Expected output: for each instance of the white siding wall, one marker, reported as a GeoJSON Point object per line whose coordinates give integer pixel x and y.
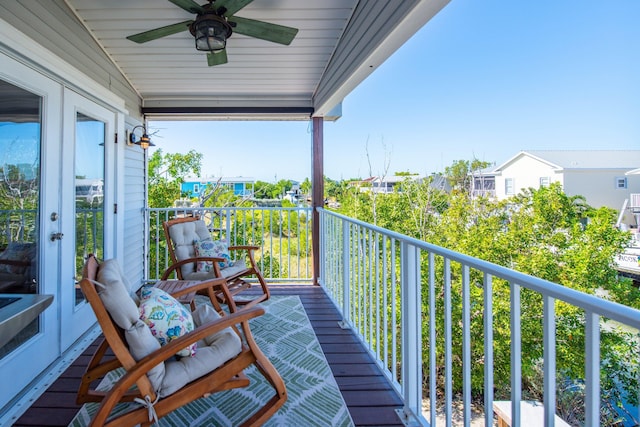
{"type": "Point", "coordinates": [134, 202]}
{"type": "Point", "coordinates": [598, 186]}
{"type": "Point", "coordinates": [525, 172]}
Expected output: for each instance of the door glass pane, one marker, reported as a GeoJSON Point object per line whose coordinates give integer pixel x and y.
{"type": "Point", "coordinates": [20, 136]}
{"type": "Point", "coordinates": [89, 173]}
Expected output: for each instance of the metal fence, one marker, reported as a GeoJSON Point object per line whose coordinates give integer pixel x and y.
{"type": "Point", "coordinates": [415, 305]}
{"type": "Point", "coordinates": [283, 235]}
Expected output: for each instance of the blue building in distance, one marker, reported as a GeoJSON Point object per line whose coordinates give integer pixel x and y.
{"type": "Point", "coordinates": [194, 187]}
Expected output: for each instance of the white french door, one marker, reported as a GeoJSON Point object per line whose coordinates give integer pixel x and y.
{"type": "Point", "coordinates": [57, 167]}
{"type": "Point", "coordinates": [89, 132]}
{"type": "Point", "coordinates": [30, 124]}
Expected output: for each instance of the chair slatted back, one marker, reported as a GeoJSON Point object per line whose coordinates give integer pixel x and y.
{"type": "Point", "coordinates": [166, 225]}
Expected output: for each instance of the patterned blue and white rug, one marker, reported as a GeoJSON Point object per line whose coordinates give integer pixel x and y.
{"type": "Point", "coordinates": [286, 337]}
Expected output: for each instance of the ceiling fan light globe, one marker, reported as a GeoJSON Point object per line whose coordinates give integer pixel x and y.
{"type": "Point", "coordinates": [210, 44]}
{"type": "Point", "coordinates": [210, 34]}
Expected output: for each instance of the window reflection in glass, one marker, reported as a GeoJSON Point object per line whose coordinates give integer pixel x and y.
{"type": "Point", "coordinates": [20, 139]}
{"type": "Point", "coordinates": [89, 181]}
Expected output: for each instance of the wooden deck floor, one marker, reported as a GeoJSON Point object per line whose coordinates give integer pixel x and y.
{"type": "Point", "coordinates": [369, 397]}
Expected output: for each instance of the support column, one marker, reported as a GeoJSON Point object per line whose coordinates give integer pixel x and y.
{"type": "Point", "coordinates": [317, 192]}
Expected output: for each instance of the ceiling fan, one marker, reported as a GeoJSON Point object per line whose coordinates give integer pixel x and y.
{"type": "Point", "coordinates": [215, 22]}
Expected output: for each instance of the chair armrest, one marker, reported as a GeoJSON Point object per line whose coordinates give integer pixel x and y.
{"type": "Point", "coordinates": [163, 353]}
{"type": "Point", "coordinates": [173, 267]}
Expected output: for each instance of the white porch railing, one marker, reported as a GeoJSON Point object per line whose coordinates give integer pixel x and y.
{"type": "Point", "coordinates": [377, 278]}
{"type": "Point", "coordinates": [283, 235]}
{"type": "Point", "coordinates": [17, 225]}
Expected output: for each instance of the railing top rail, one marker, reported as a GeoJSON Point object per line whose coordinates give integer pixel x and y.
{"type": "Point", "coordinates": [229, 208]}
{"type": "Point", "coordinates": [609, 309]}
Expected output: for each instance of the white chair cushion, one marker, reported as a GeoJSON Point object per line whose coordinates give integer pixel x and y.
{"type": "Point", "coordinates": [142, 343]}
{"type": "Point", "coordinates": [183, 235]}
{"type": "Point", "coordinates": [124, 312]}
{"type": "Point", "coordinates": [237, 267]}
{"type": "Point", "coordinates": [115, 295]}
{"type": "Point", "coordinates": [168, 377]}
{"type": "Point", "coordinates": [213, 352]}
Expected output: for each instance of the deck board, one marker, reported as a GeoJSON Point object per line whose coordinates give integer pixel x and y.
{"type": "Point", "coordinates": [369, 396]}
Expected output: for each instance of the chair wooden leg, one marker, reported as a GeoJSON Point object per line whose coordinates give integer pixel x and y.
{"type": "Point", "coordinates": [280, 397]}
{"type": "Point", "coordinates": [270, 373]}
{"type": "Point", "coordinates": [96, 369]}
{"type": "Point", "coordinates": [263, 284]}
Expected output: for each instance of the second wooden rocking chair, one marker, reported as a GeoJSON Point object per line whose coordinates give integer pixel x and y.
{"type": "Point", "coordinates": [183, 234]}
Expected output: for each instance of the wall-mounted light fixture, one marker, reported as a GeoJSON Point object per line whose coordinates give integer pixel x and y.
{"type": "Point", "coordinates": [144, 141]}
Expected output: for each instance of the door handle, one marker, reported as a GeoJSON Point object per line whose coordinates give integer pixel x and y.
{"type": "Point", "coordinates": [56, 236]}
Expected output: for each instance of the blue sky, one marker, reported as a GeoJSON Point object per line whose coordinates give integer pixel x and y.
{"type": "Point", "coordinates": [483, 79]}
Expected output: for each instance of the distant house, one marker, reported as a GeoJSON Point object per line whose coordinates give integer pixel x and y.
{"type": "Point", "coordinates": [195, 187]}
{"type": "Point", "coordinates": [483, 183]}
{"type": "Point", "coordinates": [89, 190]}
{"type": "Point", "coordinates": [601, 176]}
{"type": "Point", "coordinates": [294, 195]}
{"type": "Point", "coordinates": [387, 184]}
{"type": "Point", "coordinates": [633, 206]}
{"type": "Point", "coordinates": [390, 184]}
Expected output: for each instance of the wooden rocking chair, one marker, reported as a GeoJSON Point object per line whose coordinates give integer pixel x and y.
{"type": "Point", "coordinates": [163, 382]}
{"type": "Point", "coordinates": [181, 233]}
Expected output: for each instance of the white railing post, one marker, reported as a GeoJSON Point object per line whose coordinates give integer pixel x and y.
{"type": "Point", "coordinates": [412, 330]}
{"type": "Point", "coordinates": [592, 369]}
{"type": "Point", "coordinates": [448, 345]}
{"type": "Point", "coordinates": [488, 348]}
{"type": "Point", "coordinates": [516, 355]}
{"type": "Point", "coordinates": [227, 226]}
{"type": "Point", "coordinates": [549, 339]}
{"type": "Point", "coordinates": [466, 346]}
{"type": "Point", "coordinates": [346, 273]}
{"type": "Point", "coordinates": [323, 250]}
{"type": "Point", "coordinates": [433, 395]}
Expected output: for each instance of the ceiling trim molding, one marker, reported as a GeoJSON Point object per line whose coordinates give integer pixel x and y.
{"type": "Point", "coordinates": [353, 63]}
{"type": "Point", "coordinates": [228, 113]}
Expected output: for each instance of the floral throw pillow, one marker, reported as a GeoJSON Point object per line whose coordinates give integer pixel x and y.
{"type": "Point", "coordinates": [212, 248]}
{"type": "Point", "coordinates": [166, 317]}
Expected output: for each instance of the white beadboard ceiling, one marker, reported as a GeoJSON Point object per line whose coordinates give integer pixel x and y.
{"type": "Point", "coordinates": [339, 43]}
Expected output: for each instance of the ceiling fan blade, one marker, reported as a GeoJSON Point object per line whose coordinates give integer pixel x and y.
{"type": "Point", "coordinates": [217, 58]}
{"type": "Point", "coordinates": [231, 6]}
{"type": "Point", "coordinates": [188, 5]}
{"type": "Point", "coordinates": [160, 32]}
{"type": "Point", "coordinates": [263, 30]}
